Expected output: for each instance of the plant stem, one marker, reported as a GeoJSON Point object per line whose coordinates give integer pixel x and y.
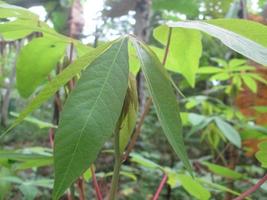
{"type": "Point", "coordinates": [252, 189]}
{"type": "Point", "coordinates": [161, 185]}
{"type": "Point", "coordinates": [96, 186]}
{"type": "Point", "coordinates": [117, 166]}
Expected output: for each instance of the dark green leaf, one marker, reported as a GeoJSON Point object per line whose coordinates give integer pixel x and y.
{"type": "Point", "coordinates": [90, 115]}
{"type": "Point", "coordinates": [164, 100]}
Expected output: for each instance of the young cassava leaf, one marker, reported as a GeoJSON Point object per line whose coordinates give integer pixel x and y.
{"type": "Point", "coordinates": [129, 120]}
{"type": "Point", "coordinates": [48, 52]}
{"type": "Point", "coordinates": [223, 171]}
{"type": "Point", "coordinates": [184, 51]}
{"type": "Point", "coordinates": [193, 187]}
{"type": "Point", "coordinates": [164, 99]}
{"type": "Point", "coordinates": [233, 33]}
{"type": "Point", "coordinates": [229, 132]}
{"type": "Point", "coordinates": [90, 115]}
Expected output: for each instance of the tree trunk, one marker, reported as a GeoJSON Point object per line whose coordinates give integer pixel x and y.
{"type": "Point", "coordinates": [142, 32]}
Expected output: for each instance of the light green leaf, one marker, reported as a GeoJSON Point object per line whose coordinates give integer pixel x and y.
{"type": "Point", "coordinates": [184, 51]}
{"type": "Point", "coordinates": [129, 121]}
{"type": "Point", "coordinates": [220, 77]}
{"type": "Point", "coordinates": [53, 86]}
{"type": "Point", "coordinates": [189, 7]}
{"type": "Point", "coordinates": [247, 28]}
{"type": "Point", "coordinates": [134, 62]}
{"type": "Point", "coordinates": [48, 52]}
{"type": "Point", "coordinates": [261, 154]}
{"type": "Point", "coordinates": [250, 83]}
{"type": "Point", "coordinates": [7, 10]}
{"type": "Point", "coordinates": [193, 187]}
{"type": "Point", "coordinates": [39, 123]}
{"type": "Point", "coordinates": [223, 171]}
{"type": "Point", "coordinates": [237, 62]}
{"type": "Point", "coordinates": [164, 100]}
{"type": "Point", "coordinates": [209, 70]}
{"type": "Point", "coordinates": [137, 158]}
{"type": "Point", "coordinates": [90, 115]}
{"type": "Point", "coordinates": [229, 132]}
{"type": "Point", "coordinates": [245, 37]}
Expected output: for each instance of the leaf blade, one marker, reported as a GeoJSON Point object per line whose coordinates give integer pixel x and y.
{"type": "Point", "coordinates": [232, 37]}
{"type": "Point", "coordinates": [162, 92]}
{"type": "Point", "coordinates": [100, 93]}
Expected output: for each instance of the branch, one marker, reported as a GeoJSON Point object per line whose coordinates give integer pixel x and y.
{"type": "Point", "coordinates": [252, 189]}
{"type": "Point", "coordinates": [161, 185]}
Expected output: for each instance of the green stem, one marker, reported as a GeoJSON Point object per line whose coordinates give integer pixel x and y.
{"type": "Point", "coordinates": [117, 166]}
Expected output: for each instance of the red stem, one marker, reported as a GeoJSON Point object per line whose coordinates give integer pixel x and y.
{"type": "Point", "coordinates": [252, 189]}
{"type": "Point", "coordinates": [161, 185]}
{"type": "Point", "coordinates": [81, 189]}
{"type": "Point", "coordinates": [95, 183]}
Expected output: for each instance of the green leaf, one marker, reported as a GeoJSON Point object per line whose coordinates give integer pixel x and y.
{"type": "Point", "coordinates": [52, 87]}
{"type": "Point", "coordinates": [129, 121]}
{"type": "Point", "coordinates": [219, 187]}
{"type": "Point", "coordinates": [134, 62]}
{"type": "Point", "coordinates": [39, 123]}
{"type": "Point", "coordinates": [229, 132]}
{"type": "Point", "coordinates": [209, 70]}
{"type": "Point", "coordinates": [90, 115]}
{"type": "Point", "coordinates": [223, 171]}
{"type": "Point", "coordinates": [137, 158]}
{"type": "Point", "coordinates": [250, 83]}
{"type": "Point", "coordinates": [184, 51]}
{"type": "Point", "coordinates": [48, 52]}
{"type": "Point", "coordinates": [7, 10]}
{"type": "Point", "coordinates": [189, 7]}
{"type": "Point", "coordinates": [193, 187]}
{"type": "Point", "coordinates": [220, 77]}
{"type": "Point", "coordinates": [250, 29]}
{"type": "Point", "coordinates": [5, 186]}
{"type": "Point", "coordinates": [164, 100]}
{"type": "Point", "coordinates": [261, 154]}
{"type": "Point", "coordinates": [245, 37]}
{"type": "Point", "coordinates": [237, 62]}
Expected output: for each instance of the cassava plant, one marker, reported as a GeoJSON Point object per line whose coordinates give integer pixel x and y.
{"type": "Point", "coordinates": [103, 103]}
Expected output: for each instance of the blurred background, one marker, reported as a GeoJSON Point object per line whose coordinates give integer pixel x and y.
{"type": "Point", "coordinates": [25, 159]}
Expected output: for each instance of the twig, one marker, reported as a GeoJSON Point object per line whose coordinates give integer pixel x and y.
{"type": "Point", "coordinates": [161, 185]}
{"type": "Point", "coordinates": [147, 105]}
{"type": "Point", "coordinates": [252, 189]}
{"type": "Point", "coordinates": [95, 183]}
{"type": "Point", "coordinates": [80, 184]}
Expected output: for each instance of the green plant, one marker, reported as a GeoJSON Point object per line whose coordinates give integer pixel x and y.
{"type": "Point", "coordinates": [104, 96]}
